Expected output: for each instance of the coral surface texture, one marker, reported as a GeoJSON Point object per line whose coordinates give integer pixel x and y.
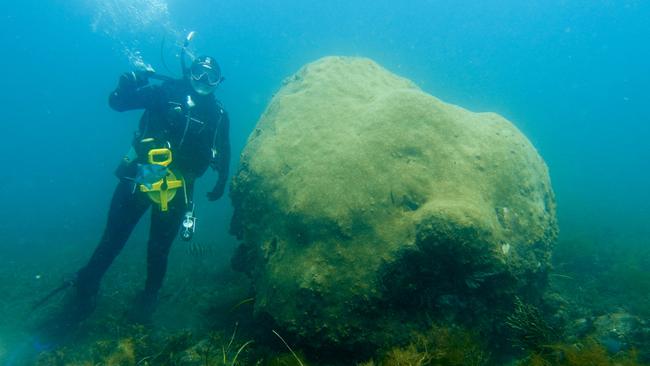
{"type": "Point", "coordinates": [367, 208]}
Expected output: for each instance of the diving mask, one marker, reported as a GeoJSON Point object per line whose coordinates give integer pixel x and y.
{"type": "Point", "coordinates": [206, 70]}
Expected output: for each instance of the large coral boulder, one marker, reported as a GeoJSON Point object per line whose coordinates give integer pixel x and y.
{"type": "Point", "coordinates": [367, 208]}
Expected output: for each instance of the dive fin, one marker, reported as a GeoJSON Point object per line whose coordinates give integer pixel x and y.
{"type": "Point", "coordinates": [50, 295]}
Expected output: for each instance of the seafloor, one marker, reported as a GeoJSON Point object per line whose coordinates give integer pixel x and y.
{"type": "Point", "coordinates": [597, 303]}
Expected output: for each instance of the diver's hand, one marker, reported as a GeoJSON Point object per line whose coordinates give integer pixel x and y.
{"type": "Point", "coordinates": [213, 196]}
{"type": "Point", "coordinates": [134, 79]}
{"type": "Point", "coordinates": [216, 193]}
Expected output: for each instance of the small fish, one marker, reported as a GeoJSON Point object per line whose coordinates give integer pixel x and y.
{"type": "Point", "coordinates": [148, 174]}
{"type": "Point", "coordinates": [198, 250]}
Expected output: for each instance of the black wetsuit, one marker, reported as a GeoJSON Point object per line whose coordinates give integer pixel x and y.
{"type": "Point", "coordinates": [195, 127]}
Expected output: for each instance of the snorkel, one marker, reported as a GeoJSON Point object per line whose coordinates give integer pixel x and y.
{"type": "Point", "coordinates": [185, 71]}
{"type": "Point", "coordinates": [184, 52]}
{"type": "Point", "coordinates": [203, 74]}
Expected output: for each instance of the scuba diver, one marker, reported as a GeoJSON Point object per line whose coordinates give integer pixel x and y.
{"type": "Point", "coordinates": [183, 131]}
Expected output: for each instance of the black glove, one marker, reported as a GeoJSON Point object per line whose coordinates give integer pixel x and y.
{"type": "Point", "coordinates": [134, 79]}
{"type": "Point", "coordinates": [216, 192]}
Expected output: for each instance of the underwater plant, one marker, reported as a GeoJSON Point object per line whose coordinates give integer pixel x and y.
{"type": "Point", "coordinates": [441, 345]}
{"type": "Point", "coordinates": [530, 330]}
{"type": "Point", "coordinates": [295, 356]}
{"type": "Point", "coordinates": [171, 352]}
{"type": "Point", "coordinates": [56, 357]}
{"type": "Point", "coordinates": [408, 356]}
{"type": "Point", "coordinates": [123, 355]}
{"type": "Point", "coordinates": [214, 350]}
{"type": "Point", "coordinates": [284, 359]}
{"type": "Point", "coordinates": [239, 351]}
{"type": "Point", "coordinates": [586, 353]}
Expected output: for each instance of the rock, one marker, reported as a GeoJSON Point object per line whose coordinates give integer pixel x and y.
{"type": "Point", "coordinates": [618, 331]}
{"type": "Point", "coordinates": [367, 207]}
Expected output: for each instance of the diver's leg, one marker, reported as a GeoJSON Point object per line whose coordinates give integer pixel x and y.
{"type": "Point", "coordinates": [125, 211]}
{"type": "Point", "coordinates": [164, 228]}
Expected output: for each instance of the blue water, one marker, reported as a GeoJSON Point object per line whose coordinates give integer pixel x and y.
{"type": "Point", "coordinates": [573, 75]}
